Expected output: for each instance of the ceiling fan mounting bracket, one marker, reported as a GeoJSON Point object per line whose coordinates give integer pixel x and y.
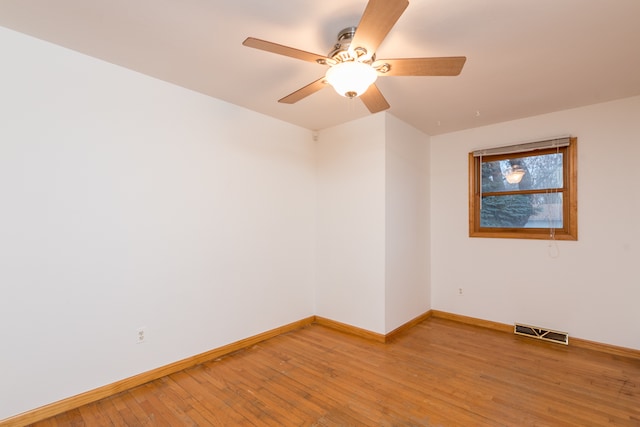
{"type": "Point", "coordinates": [346, 35]}
{"type": "Point", "coordinates": [382, 68]}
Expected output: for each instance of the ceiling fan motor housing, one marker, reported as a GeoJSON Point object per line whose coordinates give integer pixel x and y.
{"type": "Point", "coordinates": [341, 50]}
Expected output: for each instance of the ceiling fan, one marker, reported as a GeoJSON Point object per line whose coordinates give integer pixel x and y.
{"type": "Point", "coordinates": [353, 67]}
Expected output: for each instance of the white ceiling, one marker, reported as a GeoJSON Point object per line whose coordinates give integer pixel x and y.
{"type": "Point", "coordinates": [524, 57]}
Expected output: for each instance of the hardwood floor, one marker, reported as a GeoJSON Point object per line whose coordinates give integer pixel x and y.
{"type": "Point", "coordinates": [439, 373]}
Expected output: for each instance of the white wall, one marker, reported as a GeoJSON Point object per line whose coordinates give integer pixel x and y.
{"type": "Point", "coordinates": [351, 223]}
{"type": "Point", "coordinates": [407, 291]}
{"type": "Point", "coordinates": [373, 220]}
{"type": "Point", "coordinates": [590, 287]}
{"type": "Point", "coordinates": [128, 202]}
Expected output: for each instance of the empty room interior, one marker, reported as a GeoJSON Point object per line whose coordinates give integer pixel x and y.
{"type": "Point", "coordinates": [186, 181]}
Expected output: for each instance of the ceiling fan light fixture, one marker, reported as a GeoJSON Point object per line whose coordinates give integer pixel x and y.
{"type": "Point", "coordinates": [353, 67]}
{"type": "Point", "coordinates": [352, 78]}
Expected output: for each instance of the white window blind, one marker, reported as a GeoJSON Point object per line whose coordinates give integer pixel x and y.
{"type": "Point", "coordinates": [520, 148]}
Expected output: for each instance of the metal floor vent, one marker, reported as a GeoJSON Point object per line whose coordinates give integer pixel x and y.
{"type": "Point", "coordinates": [541, 333]}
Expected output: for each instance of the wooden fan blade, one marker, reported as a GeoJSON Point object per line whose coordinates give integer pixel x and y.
{"type": "Point", "coordinates": [449, 66]}
{"type": "Point", "coordinates": [284, 50]}
{"type": "Point", "coordinates": [374, 100]}
{"type": "Point", "coordinates": [303, 92]}
{"type": "Point", "coordinates": [376, 22]}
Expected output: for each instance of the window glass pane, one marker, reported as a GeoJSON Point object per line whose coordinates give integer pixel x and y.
{"type": "Point", "coordinates": [537, 173]}
{"type": "Point", "coordinates": [522, 211]}
{"type": "Point", "coordinates": [547, 211]}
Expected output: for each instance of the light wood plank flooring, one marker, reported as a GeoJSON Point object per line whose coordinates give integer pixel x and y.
{"type": "Point", "coordinates": [439, 373]}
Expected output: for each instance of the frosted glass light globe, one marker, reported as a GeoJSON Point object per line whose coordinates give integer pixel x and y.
{"type": "Point", "coordinates": [352, 78]}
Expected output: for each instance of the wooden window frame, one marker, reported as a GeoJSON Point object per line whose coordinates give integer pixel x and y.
{"type": "Point", "coordinates": [569, 231]}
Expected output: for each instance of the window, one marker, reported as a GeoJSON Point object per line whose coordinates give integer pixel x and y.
{"type": "Point", "coordinates": [525, 191]}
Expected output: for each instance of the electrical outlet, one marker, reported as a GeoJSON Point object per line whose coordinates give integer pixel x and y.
{"type": "Point", "coordinates": [459, 291]}
{"type": "Point", "coordinates": [140, 335]}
